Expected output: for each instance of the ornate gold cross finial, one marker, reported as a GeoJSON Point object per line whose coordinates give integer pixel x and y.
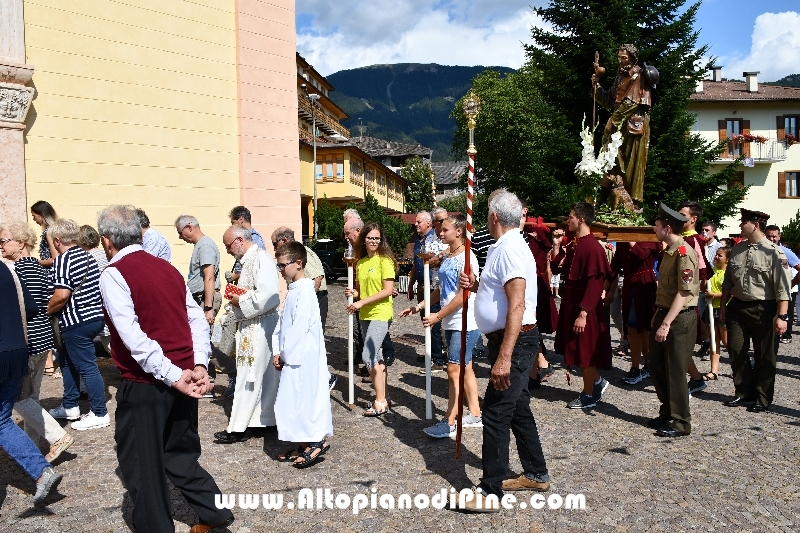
{"type": "Point", "coordinates": [472, 107]}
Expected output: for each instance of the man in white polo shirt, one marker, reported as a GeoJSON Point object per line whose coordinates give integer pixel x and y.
{"type": "Point", "coordinates": [505, 311]}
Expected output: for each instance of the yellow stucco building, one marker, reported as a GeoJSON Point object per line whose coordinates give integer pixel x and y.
{"type": "Point", "coordinates": [180, 107]}
{"type": "Point", "coordinates": [344, 172]}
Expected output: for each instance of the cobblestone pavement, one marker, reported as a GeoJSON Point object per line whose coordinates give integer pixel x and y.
{"type": "Point", "coordinates": [736, 472]}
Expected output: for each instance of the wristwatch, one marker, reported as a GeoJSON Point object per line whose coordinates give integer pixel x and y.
{"type": "Point", "coordinates": [785, 318]}
{"type": "Point", "coordinates": [208, 308]}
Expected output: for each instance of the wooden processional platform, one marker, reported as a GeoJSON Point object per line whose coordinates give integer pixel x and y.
{"type": "Point", "coordinates": [617, 233]}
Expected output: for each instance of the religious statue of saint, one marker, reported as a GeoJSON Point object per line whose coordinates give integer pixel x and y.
{"type": "Point", "coordinates": [629, 102]}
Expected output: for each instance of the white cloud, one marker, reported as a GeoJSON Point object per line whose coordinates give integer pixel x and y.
{"type": "Point", "coordinates": [345, 35]}
{"type": "Point", "coordinates": [775, 50]}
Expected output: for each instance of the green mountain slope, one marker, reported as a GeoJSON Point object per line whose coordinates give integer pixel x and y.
{"type": "Point", "coordinates": [792, 80]}
{"type": "Point", "coordinates": [405, 102]}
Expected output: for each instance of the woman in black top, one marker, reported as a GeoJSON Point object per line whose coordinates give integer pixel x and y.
{"type": "Point", "coordinates": [16, 241]}
{"type": "Point", "coordinates": [44, 215]}
{"type": "Point", "coordinates": [16, 305]}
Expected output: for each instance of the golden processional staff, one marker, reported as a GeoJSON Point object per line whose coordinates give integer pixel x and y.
{"type": "Point", "coordinates": [472, 107]}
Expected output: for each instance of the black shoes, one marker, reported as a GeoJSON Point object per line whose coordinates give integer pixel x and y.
{"type": "Point", "coordinates": [737, 401]}
{"type": "Point", "coordinates": [223, 437]}
{"type": "Point", "coordinates": [658, 421]}
{"type": "Point", "coordinates": [667, 431]}
{"type": "Point", "coordinates": [758, 408]}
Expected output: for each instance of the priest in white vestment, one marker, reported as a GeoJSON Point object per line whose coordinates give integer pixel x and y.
{"type": "Point", "coordinates": [256, 316]}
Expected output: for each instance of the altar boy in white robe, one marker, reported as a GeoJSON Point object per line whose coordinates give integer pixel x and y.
{"type": "Point", "coordinates": [256, 313]}
{"type": "Point", "coordinates": [303, 406]}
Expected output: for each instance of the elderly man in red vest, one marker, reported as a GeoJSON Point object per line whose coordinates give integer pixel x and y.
{"type": "Point", "coordinates": [160, 343]}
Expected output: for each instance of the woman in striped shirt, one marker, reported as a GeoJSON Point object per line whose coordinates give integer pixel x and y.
{"type": "Point", "coordinates": [77, 303]}
{"type": "Point", "coordinates": [16, 241]}
{"type": "Point", "coordinates": [44, 215]}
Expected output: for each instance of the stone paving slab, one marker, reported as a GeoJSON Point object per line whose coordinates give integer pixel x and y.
{"type": "Point", "coordinates": [736, 472]}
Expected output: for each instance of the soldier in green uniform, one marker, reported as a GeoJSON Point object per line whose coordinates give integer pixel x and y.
{"type": "Point", "coordinates": [757, 283]}
{"type": "Point", "coordinates": [674, 325]}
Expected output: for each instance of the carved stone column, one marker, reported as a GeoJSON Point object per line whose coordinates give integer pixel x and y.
{"type": "Point", "coordinates": [15, 100]}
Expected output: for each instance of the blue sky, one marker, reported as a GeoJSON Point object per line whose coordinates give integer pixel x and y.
{"type": "Point", "coordinates": [332, 35]}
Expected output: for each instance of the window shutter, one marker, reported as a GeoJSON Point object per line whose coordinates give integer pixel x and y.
{"type": "Point", "coordinates": [781, 184]}
{"type": "Point", "coordinates": [781, 128]}
{"type": "Point", "coordinates": [746, 146]}
{"type": "Point", "coordinates": [723, 134]}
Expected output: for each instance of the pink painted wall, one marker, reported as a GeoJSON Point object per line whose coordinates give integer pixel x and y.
{"type": "Point", "coordinates": [269, 170]}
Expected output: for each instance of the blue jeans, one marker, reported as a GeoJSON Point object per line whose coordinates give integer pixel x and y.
{"type": "Point", "coordinates": [453, 337]}
{"type": "Point", "coordinates": [437, 358]}
{"type": "Point", "coordinates": [12, 439]}
{"type": "Point", "coordinates": [78, 361]}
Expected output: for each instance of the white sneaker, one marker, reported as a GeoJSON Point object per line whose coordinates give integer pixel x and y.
{"type": "Point", "coordinates": [92, 421]}
{"type": "Point", "coordinates": [471, 421]}
{"type": "Point", "coordinates": [73, 413]}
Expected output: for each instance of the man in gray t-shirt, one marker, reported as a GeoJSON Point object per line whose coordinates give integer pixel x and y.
{"type": "Point", "coordinates": [203, 281]}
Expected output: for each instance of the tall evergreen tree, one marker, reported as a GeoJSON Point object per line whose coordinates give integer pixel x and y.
{"type": "Point", "coordinates": [677, 166]}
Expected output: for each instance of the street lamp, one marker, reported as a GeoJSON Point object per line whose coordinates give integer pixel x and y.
{"type": "Point", "coordinates": [312, 98]}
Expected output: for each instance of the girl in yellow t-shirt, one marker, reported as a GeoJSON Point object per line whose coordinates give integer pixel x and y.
{"type": "Point", "coordinates": [714, 294]}
{"type": "Point", "coordinates": [374, 284]}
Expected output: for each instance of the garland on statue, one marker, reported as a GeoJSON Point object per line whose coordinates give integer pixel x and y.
{"type": "Point", "coordinates": [591, 169]}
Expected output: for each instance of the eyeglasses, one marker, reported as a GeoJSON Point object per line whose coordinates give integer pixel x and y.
{"type": "Point", "coordinates": [228, 246]}
{"type": "Point", "coordinates": [277, 243]}
{"type": "Point", "coordinates": [282, 266]}
{"type": "Point", "coordinates": [180, 231]}
{"type": "Point", "coordinates": [372, 239]}
{"type": "Point", "coordinates": [439, 220]}
{"type": "Point", "coordinates": [4, 241]}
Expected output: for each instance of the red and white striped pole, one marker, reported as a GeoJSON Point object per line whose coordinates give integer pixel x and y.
{"type": "Point", "coordinates": [472, 107]}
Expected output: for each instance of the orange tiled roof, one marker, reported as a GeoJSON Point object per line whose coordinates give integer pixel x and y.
{"type": "Point", "coordinates": [727, 91]}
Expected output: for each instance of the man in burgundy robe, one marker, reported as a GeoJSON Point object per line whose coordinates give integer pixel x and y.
{"type": "Point", "coordinates": [546, 311]}
{"type": "Point", "coordinates": [583, 334]}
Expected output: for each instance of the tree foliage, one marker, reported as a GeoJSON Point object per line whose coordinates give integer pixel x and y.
{"type": "Point", "coordinates": [480, 207]}
{"type": "Point", "coordinates": [419, 195]}
{"type": "Point", "coordinates": [522, 143]}
{"type": "Point", "coordinates": [790, 233]}
{"type": "Point", "coordinates": [330, 222]}
{"type": "Point", "coordinates": [397, 232]}
{"type": "Point", "coordinates": [563, 51]}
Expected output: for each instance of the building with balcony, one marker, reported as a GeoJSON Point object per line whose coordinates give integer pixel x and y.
{"type": "Point", "coordinates": [344, 172]}
{"type": "Point", "coordinates": [759, 123]}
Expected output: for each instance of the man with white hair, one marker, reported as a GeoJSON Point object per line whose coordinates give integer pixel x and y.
{"type": "Point", "coordinates": [160, 343]}
{"type": "Point", "coordinates": [426, 235]}
{"type": "Point", "coordinates": [256, 314]}
{"type": "Point", "coordinates": [505, 311]}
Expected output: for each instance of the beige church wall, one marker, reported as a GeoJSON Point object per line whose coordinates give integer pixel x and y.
{"type": "Point", "coordinates": [267, 88]}
{"type": "Point", "coordinates": [135, 103]}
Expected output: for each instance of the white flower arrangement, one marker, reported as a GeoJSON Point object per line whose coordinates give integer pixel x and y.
{"type": "Point", "coordinates": [591, 169]}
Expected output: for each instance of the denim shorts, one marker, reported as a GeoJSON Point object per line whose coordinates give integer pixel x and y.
{"type": "Point", "coordinates": [453, 338]}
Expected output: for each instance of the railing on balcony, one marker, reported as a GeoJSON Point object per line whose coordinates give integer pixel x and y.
{"type": "Point", "coordinates": [769, 151]}
{"type": "Point", "coordinates": [324, 121]}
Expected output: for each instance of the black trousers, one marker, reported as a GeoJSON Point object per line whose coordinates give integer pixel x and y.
{"type": "Point", "coordinates": [322, 300]}
{"type": "Point", "coordinates": [510, 409]}
{"type": "Point", "coordinates": [753, 320]}
{"type": "Point", "coordinates": [668, 362]}
{"type": "Point", "coordinates": [156, 434]}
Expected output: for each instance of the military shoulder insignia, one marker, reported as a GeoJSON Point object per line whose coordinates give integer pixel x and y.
{"type": "Point", "coordinates": [682, 251]}
{"type": "Point", "coordinates": [687, 274]}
